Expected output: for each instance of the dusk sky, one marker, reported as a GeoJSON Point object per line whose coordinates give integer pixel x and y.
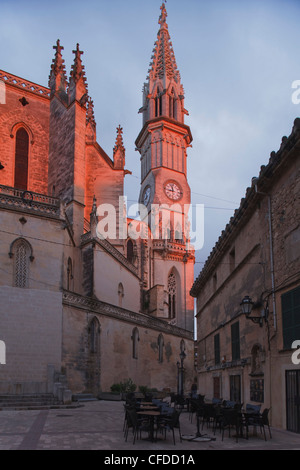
{"type": "Point", "coordinates": [237, 61]}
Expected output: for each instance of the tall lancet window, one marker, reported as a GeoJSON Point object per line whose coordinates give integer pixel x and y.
{"type": "Point", "coordinates": [135, 339]}
{"type": "Point", "coordinates": [22, 253]}
{"type": "Point", "coordinates": [158, 103]}
{"type": "Point", "coordinates": [160, 343]}
{"type": "Point", "coordinates": [21, 159]}
{"type": "Point", "coordinates": [94, 336]}
{"type": "Point", "coordinates": [172, 294]}
{"type": "Point", "coordinates": [172, 105]}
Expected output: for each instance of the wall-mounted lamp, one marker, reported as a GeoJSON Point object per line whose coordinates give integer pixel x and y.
{"type": "Point", "coordinates": [247, 307]}
{"type": "Point", "coordinates": [1, 166]}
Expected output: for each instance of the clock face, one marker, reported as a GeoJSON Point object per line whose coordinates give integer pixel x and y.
{"type": "Point", "coordinates": [173, 190]}
{"type": "Point", "coordinates": [146, 196]}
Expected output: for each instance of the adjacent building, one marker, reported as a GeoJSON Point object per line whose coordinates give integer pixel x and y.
{"type": "Point", "coordinates": [256, 263]}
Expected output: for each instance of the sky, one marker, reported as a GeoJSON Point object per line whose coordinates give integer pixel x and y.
{"type": "Point", "coordinates": [237, 61]}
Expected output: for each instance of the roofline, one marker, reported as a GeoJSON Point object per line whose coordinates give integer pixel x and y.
{"type": "Point", "coordinates": [265, 180]}
{"type": "Point", "coordinates": [25, 85]}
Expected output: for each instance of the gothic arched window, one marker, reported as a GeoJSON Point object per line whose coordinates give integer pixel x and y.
{"type": "Point", "coordinates": [120, 293]}
{"type": "Point", "coordinates": [21, 251]}
{"type": "Point", "coordinates": [94, 336]}
{"type": "Point", "coordinates": [158, 103]}
{"type": "Point", "coordinates": [21, 159]}
{"type": "Point", "coordinates": [172, 294]}
{"type": "Point", "coordinates": [130, 251]}
{"type": "Point", "coordinates": [135, 339]}
{"type": "Point", "coordinates": [70, 275]}
{"type": "Point", "coordinates": [160, 343]}
{"type": "Point", "coordinates": [172, 105]}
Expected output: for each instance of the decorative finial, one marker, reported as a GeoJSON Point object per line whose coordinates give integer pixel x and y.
{"type": "Point", "coordinates": [77, 71]}
{"type": "Point", "coordinates": [57, 66]}
{"type": "Point", "coordinates": [119, 150]}
{"type": "Point", "coordinates": [163, 16]}
{"type": "Point", "coordinates": [90, 117]}
{"type": "Point", "coordinates": [119, 140]}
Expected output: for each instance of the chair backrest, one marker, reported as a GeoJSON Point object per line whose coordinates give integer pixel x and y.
{"type": "Point", "coordinates": [265, 417]}
{"type": "Point", "coordinates": [175, 418]}
{"type": "Point", "coordinates": [216, 401]}
{"type": "Point", "coordinates": [255, 408]}
{"type": "Point", "coordinates": [132, 418]}
{"type": "Point", "coordinates": [230, 416]}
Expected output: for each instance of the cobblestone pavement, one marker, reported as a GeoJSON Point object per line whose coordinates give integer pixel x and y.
{"type": "Point", "coordinates": [98, 425]}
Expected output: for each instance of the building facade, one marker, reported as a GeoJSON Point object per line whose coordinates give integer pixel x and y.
{"type": "Point", "coordinates": [78, 301]}
{"type": "Point", "coordinates": [256, 259]}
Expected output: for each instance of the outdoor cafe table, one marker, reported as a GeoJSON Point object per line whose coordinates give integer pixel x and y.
{"type": "Point", "coordinates": [151, 414]}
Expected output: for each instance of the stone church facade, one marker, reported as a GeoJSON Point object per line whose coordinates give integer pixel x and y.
{"type": "Point", "coordinates": [96, 307]}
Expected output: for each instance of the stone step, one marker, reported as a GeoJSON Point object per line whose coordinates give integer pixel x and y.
{"type": "Point", "coordinates": [84, 397]}
{"type": "Point", "coordinates": [29, 402]}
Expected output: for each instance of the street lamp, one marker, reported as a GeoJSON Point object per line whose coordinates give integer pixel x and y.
{"type": "Point", "coordinates": [182, 356]}
{"type": "Point", "coordinates": [247, 307]}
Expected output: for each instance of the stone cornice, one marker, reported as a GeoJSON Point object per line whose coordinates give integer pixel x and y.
{"type": "Point", "coordinates": [73, 300]}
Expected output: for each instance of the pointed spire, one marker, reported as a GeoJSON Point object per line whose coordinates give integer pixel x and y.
{"type": "Point", "coordinates": [119, 150]}
{"type": "Point", "coordinates": [90, 116]}
{"type": "Point", "coordinates": [57, 77]}
{"type": "Point", "coordinates": [77, 69]}
{"type": "Point", "coordinates": [163, 63]}
{"type": "Point", "coordinates": [90, 122]}
{"type": "Point", "coordinates": [78, 86]}
{"type": "Point", "coordinates": [163, 16]}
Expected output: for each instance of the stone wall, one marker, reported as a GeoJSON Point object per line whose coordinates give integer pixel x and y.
{"type": "Point", "coordinates": [34, 117]}
{"type": "Point", "coordinates": [30, 326]}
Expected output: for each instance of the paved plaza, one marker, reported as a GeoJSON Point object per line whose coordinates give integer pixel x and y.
{"type": "Point", "coordinates": [98, 425]}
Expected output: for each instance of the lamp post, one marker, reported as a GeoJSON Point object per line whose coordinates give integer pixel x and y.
{"type": "Point", "coordinates": [182, 356]}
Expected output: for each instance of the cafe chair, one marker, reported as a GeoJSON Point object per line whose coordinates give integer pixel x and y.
{"type": "Point", "coordinates": [265, 420]}
{"type": "Point", "coordinates": [136, 424]}
{"type": "Point", "coordinates": [170, 423]}
{"type": "Point", "coordinates": [230, 419]}
{"type": "Point", "coordinates": [260, 420]}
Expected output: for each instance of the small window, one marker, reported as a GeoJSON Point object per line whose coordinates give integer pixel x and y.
{"type": "Point", "coordinates": [135, 339]}
{"type": "Point", "coordinates": [130, 251]}
{"type": "Point", "coordinates": [217, 349]}
{"type": "Point", "coordinates": [21, 159]}
{"type": "Point", "coordinates": [70, 275]}
{"type": "Point", "coordinates": [120, 294]}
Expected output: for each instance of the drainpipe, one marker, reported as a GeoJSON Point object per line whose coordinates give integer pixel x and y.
{"type": "Point", "coordinates": [254, 181]}
{"type": "Point", "coordinates": [272, 263]}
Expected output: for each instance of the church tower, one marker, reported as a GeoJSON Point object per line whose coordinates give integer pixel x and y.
{"type": "Point", "coordinates": [163, 143]}
{"type": "Point", "coordinates": [164, 138]}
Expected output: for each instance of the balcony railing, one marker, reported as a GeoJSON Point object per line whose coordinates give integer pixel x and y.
{"type": "Point", "coordinates": [29, 201]}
